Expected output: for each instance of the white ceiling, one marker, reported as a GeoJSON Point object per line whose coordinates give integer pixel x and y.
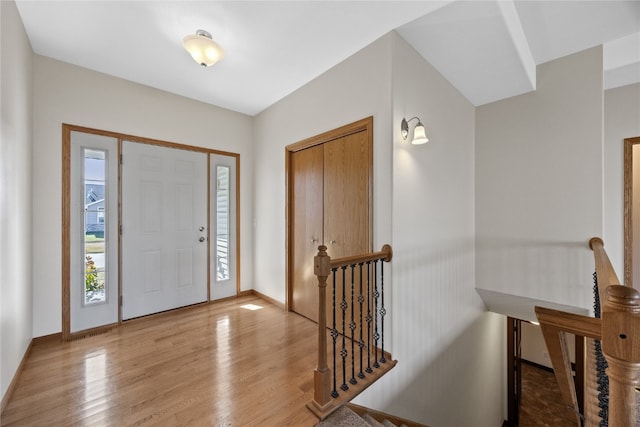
{"type": "Point", "coordinates": [488, 49]}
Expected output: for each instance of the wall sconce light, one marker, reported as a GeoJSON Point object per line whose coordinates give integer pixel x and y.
{"type": "Point", "coordinates": [202, 48]}
{"type": "Point", "coordinates": [419, 134]}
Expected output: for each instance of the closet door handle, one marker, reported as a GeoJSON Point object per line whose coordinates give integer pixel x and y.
{"type": "Point", "coordinates": [314, 240]}
{"type": "Point", "coordinates": [333, 242]}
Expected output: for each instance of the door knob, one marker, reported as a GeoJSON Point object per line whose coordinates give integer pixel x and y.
{"type": "Point", "coordinates": [201, 228]}
{"type": "Point", "coordinates": [332, 241]}
{"type": "Point", "coordinates": [314, 240]}
{"type": "Point", "coordinates": [202, 239]}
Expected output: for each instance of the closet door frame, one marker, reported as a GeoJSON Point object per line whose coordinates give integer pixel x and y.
{"type": "Point", "coordinates": [631, 213]}
{"type": "Point", "coordinates": [365, 124]}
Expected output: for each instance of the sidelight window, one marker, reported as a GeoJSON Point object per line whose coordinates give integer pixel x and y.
{"type": "Point", "coordinates": [94, 237]}
{"type": "Point", "coordinates": [222, 222]}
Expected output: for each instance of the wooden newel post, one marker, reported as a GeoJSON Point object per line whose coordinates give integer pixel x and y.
{"type": "Point", "coordinates": [621, 348]}
{"type": "Point", "coordinates": [322, 374]}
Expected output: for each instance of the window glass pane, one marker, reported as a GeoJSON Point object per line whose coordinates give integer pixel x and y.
{"type": "Point", "coordinates": [94, 171]}
{"type": "Point", "coordinates": [222, 223]}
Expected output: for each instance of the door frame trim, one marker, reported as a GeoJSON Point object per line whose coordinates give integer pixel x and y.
{"type": "Point", "coordinates": [628, 210]}
{"type": "Point", "coordinates": [365, 124]}
{"type": "Point", "coordinates": [66, 217]}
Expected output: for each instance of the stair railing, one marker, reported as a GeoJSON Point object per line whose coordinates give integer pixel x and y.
{"type": "Point", "coordinates": [613, 345]}
{"type": "Point", "coordinates": [354, 323]}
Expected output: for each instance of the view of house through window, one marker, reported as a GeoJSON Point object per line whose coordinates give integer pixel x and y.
{"type": "Point", "coordinates": [222, 223]}
{"type": "Point", "coordinates": [94, 163]}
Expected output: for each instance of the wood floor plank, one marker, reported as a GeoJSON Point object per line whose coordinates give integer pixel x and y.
{"type": "Point", "coordinates": [210, 365]}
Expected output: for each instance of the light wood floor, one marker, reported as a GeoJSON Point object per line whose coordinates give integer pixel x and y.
{"type": "Point", "coordinates": [212, 365]}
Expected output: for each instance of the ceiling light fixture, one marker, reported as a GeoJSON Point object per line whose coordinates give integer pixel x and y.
{"type": "Point", "coordinates": [419, 134]}
{"type": "Point", "coordinates": [202, 48]}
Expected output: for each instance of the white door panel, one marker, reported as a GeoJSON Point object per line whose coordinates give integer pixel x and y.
{"type": "Point", "coordinates": [164, 235]}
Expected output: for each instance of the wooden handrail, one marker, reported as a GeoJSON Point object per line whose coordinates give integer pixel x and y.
{"type": "Point", "coordinates": [385, 254]}
{"type": "Point", "coordinates": [325, 401]}
{"type": "Point", "coordinates": [618, 329]}
{"type": "Point", "coordinates": [604, 270]}
{"type": "Point", "coordinates": [571, 323]}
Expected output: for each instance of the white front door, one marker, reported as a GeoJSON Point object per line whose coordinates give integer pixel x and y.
{"type": "Point", "coordinates": [164, 228]}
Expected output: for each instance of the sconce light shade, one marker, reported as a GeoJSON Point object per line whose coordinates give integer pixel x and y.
{"type": "Point", "coordinates": [419, 133]}
{"type": "Point", "coordinates": [202, 48]}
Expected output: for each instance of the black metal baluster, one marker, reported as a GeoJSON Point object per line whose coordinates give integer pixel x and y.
{"type": "Point", "coordinates": [376, 336]}
{"type": "Point", "coordinates": [343, 351]}
{"type": "Point", "coordinates": [334, 332]}
{"type": "Point", "coordinates": [360, 301]}
{"type": "Point", "coordinates": [601, 363]}
{"type": "Point", "coordinates": [352, 326]}
{"type": "Point", "coordinates": [383, 312]}
{"type": "Point", "coordinates": [368, 318]}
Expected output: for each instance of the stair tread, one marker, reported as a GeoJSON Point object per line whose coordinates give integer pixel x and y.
{"type": "Point", "coordinates": [343, 417]}
{"type": "Point", "coordinates": [372, 421]}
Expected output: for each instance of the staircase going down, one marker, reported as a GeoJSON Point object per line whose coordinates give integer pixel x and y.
{"type": "Point", "coordinates": [345, 417]}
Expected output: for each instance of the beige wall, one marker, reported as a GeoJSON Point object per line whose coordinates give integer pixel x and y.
{"type": "Point", "coordinates": [354, 89]}
{"type": "Point", "coordinates": [539, 184]}
{"type": "Point", "coordinates": [424, 197]}
{"type": "Point", "coordinates": [16, 259]}
{"type": "Point", "coordinates": [450, 350]}
{"type": "Point", "coordinates": [621, 120]}
{"type": "Point", "coordinates": [69, 94]}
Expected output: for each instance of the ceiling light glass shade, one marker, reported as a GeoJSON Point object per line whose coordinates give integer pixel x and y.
{"type": "Point", "coordinates": [419, 135]}
{"type": "Point", "coordinates": [202, 48]}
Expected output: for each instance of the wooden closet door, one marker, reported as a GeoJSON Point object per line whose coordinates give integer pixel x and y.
{"type": "Point", "coordinates": [329, 196]}
{"type": "Point", "coordinates": [307, 216]}
{"type": "Point", "coordinates": [347, 224]}
{"type": "Point", "coordinates": [347, 228]}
